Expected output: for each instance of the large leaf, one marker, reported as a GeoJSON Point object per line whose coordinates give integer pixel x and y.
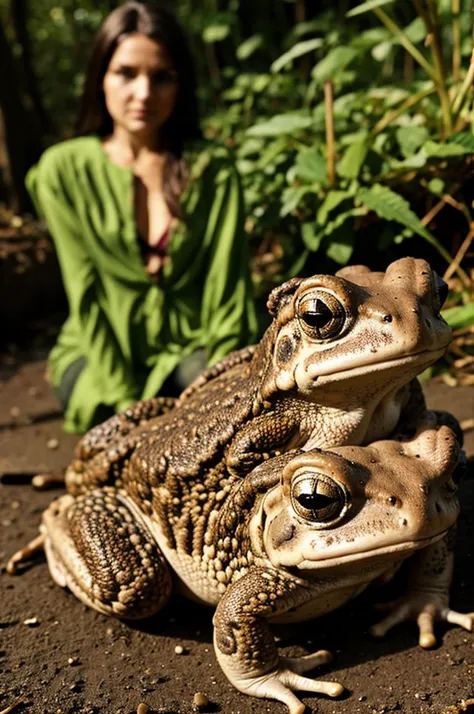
{"type": "Point", "coordinates": [298, 50]}
{"type": "Point", "coordinates": [335, 61]}
{"type": "Point", "coordinates": [281, 124]}
{"type": "Point", "coordinates": [249, 46]}
{"type": "Point", "coordinates": [311, 166]}
{"type": "Point", "coordinates": [351, 163]}
{"type": "Point", "coordinates": [392, 207]}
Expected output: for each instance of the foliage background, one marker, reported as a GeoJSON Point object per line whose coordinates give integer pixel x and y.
{"type": "Point", "coordinates": [352, 122]}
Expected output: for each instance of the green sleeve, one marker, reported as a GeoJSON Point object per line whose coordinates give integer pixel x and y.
{"type": "Point", "coordinates": [228, 313]}
{"type": "Point", "coordinates": [51, 185]}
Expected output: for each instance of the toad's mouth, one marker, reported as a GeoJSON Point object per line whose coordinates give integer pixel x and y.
{"type": "Point", "coordinates": [370, 367]}
{"type": "Point", "coordinates": [385, 552]}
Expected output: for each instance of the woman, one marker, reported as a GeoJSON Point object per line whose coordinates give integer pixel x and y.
{"type": "Point", "coordinates": [147, 220]}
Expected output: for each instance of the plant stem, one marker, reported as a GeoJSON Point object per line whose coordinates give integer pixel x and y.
{"type": "Point", "coordinates": [430, 17]}
{"type": "Point", "coordinates": [331, 154]}
{"type": "Point", "coordinates": [468, 80]}
{"type": "Point", "coordinates": [454, 266]}
{"type": "Point", "coordinates": [455, 9]}
{"type": "Point", "coordinates": [407, 44]}
{"type": "Point", "coordinates": [407, 104]}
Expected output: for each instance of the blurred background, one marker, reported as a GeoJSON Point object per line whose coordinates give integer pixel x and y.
{"type": "Point", "coordinates": [352, 125]}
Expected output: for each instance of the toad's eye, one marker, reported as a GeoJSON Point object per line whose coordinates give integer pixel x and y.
{"type": "Point", "coordinates": [319, 498]}
{"type": "Point", "coordinates": [322, 316]}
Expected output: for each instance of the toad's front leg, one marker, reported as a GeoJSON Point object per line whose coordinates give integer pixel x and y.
{"type": "Point", "coordinates": [427, 599]}
{"type": "Point", "coordinates": [100, 547]}
{"type": "Point", "coordinates": [245, 647]}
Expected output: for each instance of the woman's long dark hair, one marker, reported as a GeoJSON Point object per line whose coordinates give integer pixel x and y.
{"type": "Point", "coordinates": [145, 18]}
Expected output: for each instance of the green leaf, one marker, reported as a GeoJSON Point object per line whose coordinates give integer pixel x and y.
{"type": "Point", "coordinates": [311, 236]}
{"type": "Point", "coordinates": [413, 162]}
{"type": "Point", "coordinates": [298, 50]}
{"type": "Point", "coordinates": [311, 166]}
{"type": "Point", "coordinates": [459, 316]}
{"type": "Point", "coordinates": [215, 33]}
{"type": "Point", "coordinates": [416, 30]}
{"type": "Point", "coordinates": [340, 249]}
{"type": "Point", "coordinates": [281, 124]}
{"type": "Point", "coordinates": [292, 196]}
{"type": "Point", "coordinates": [249, 46]}
{"type": "Point", "coordinates": [433, 150]}
{"type": "Point", "coordinates": [351, 163]}
{"type": "Point", "coordinates": [335, 61]}
{"type": "Point", "coordinates": [272, 151]}
{"type": "Point", "coordinates": [463, 138]}
{"type": "Point", "coordinates": [366, 6]}
{"type": "Point", "coordinates": [411, 138]}
{"type": "Point", "coordinates": [333, 200]}
{"type": "Point", "coordinates": [436, 186]}
{"type": "Point", "coordinates": [392, 207]}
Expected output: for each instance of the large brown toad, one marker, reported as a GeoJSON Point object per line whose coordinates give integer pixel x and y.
{"type": "Point", "coordinates": [336, 366]}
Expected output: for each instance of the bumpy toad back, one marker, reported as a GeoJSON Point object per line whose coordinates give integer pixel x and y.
{"type": "Point", "coordinates": [336, 366]}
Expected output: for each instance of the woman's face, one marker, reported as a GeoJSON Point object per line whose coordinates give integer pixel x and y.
{"type": "Point", "coordinates": [140, 85]}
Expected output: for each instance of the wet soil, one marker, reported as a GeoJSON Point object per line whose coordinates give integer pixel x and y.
{"type": "Point", "coordinates": [58, 657]}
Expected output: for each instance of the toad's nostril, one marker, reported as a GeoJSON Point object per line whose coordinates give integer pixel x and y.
{"type": "Point", "coordinates": [442, 288]}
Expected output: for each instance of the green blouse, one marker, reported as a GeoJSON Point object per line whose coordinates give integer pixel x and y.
{"type": "Point", "coordinates": [132, 329]}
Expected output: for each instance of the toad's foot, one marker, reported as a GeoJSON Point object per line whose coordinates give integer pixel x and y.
{"type": "Point", "coordinates": [245, 647]}
{"type": "Point", "coordinates": [30, 551]}
{"type": "Point", "coordinates": [279, 684]}
{"type": "Point", "coordinates": [426, 608]}
{"type": "Point", "coordinates": [99, 545]}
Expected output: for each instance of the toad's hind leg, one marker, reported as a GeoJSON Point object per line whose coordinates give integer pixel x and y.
{"type": "Point", "coordinates": [100, 547]}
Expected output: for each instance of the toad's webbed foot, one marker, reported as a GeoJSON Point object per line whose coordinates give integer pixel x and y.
{"type": "Point", "coordinates": [427, 600]}
{"type": "Point", "coordinates": [281, 682]}
{"type": "Point", "coordinates": [246, 649]}
{"type": "Point", "coordinates": [426, 608]}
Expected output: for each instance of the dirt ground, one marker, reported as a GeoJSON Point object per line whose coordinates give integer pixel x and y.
{"type": "Point", "coordinates": [58, 657]}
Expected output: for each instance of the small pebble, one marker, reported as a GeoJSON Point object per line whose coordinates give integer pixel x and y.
{"type": "Point", "coordinates": [200, 700]}
{"type": "Point", "coordinates": [31, 622]}
{"type": "Point", "coordinates": [52, 443]}
{"type": "Point", "coordinates": [15, 412]}
{"type": "Point", "coordinates": [33, 391]}
{"type": "Point", "coordinates": [143, 708]}
{"type": "Point", "coordinates": [73, 661]}
{"type": "Point", "coordinates": [179, 650]}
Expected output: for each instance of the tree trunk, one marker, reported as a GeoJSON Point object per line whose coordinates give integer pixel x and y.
{"type": "Point", "coordinates": [23, 138]}
{"type": "Point", "coordinates": [19, 13]}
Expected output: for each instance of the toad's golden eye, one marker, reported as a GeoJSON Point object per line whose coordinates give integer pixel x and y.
{"type": "Point", "coordinates": [319, 498]}
{"type": "Point", "coordinates": [321, 315]}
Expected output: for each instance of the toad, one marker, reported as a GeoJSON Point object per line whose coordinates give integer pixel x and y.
{"type": "Point", "coordinates": [336, 366]}
{"type": "Point", "coordinates": [299, 536]}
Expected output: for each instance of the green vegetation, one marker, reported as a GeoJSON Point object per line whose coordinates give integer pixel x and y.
{"type": "Point", "coordinates": [352, 127]}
